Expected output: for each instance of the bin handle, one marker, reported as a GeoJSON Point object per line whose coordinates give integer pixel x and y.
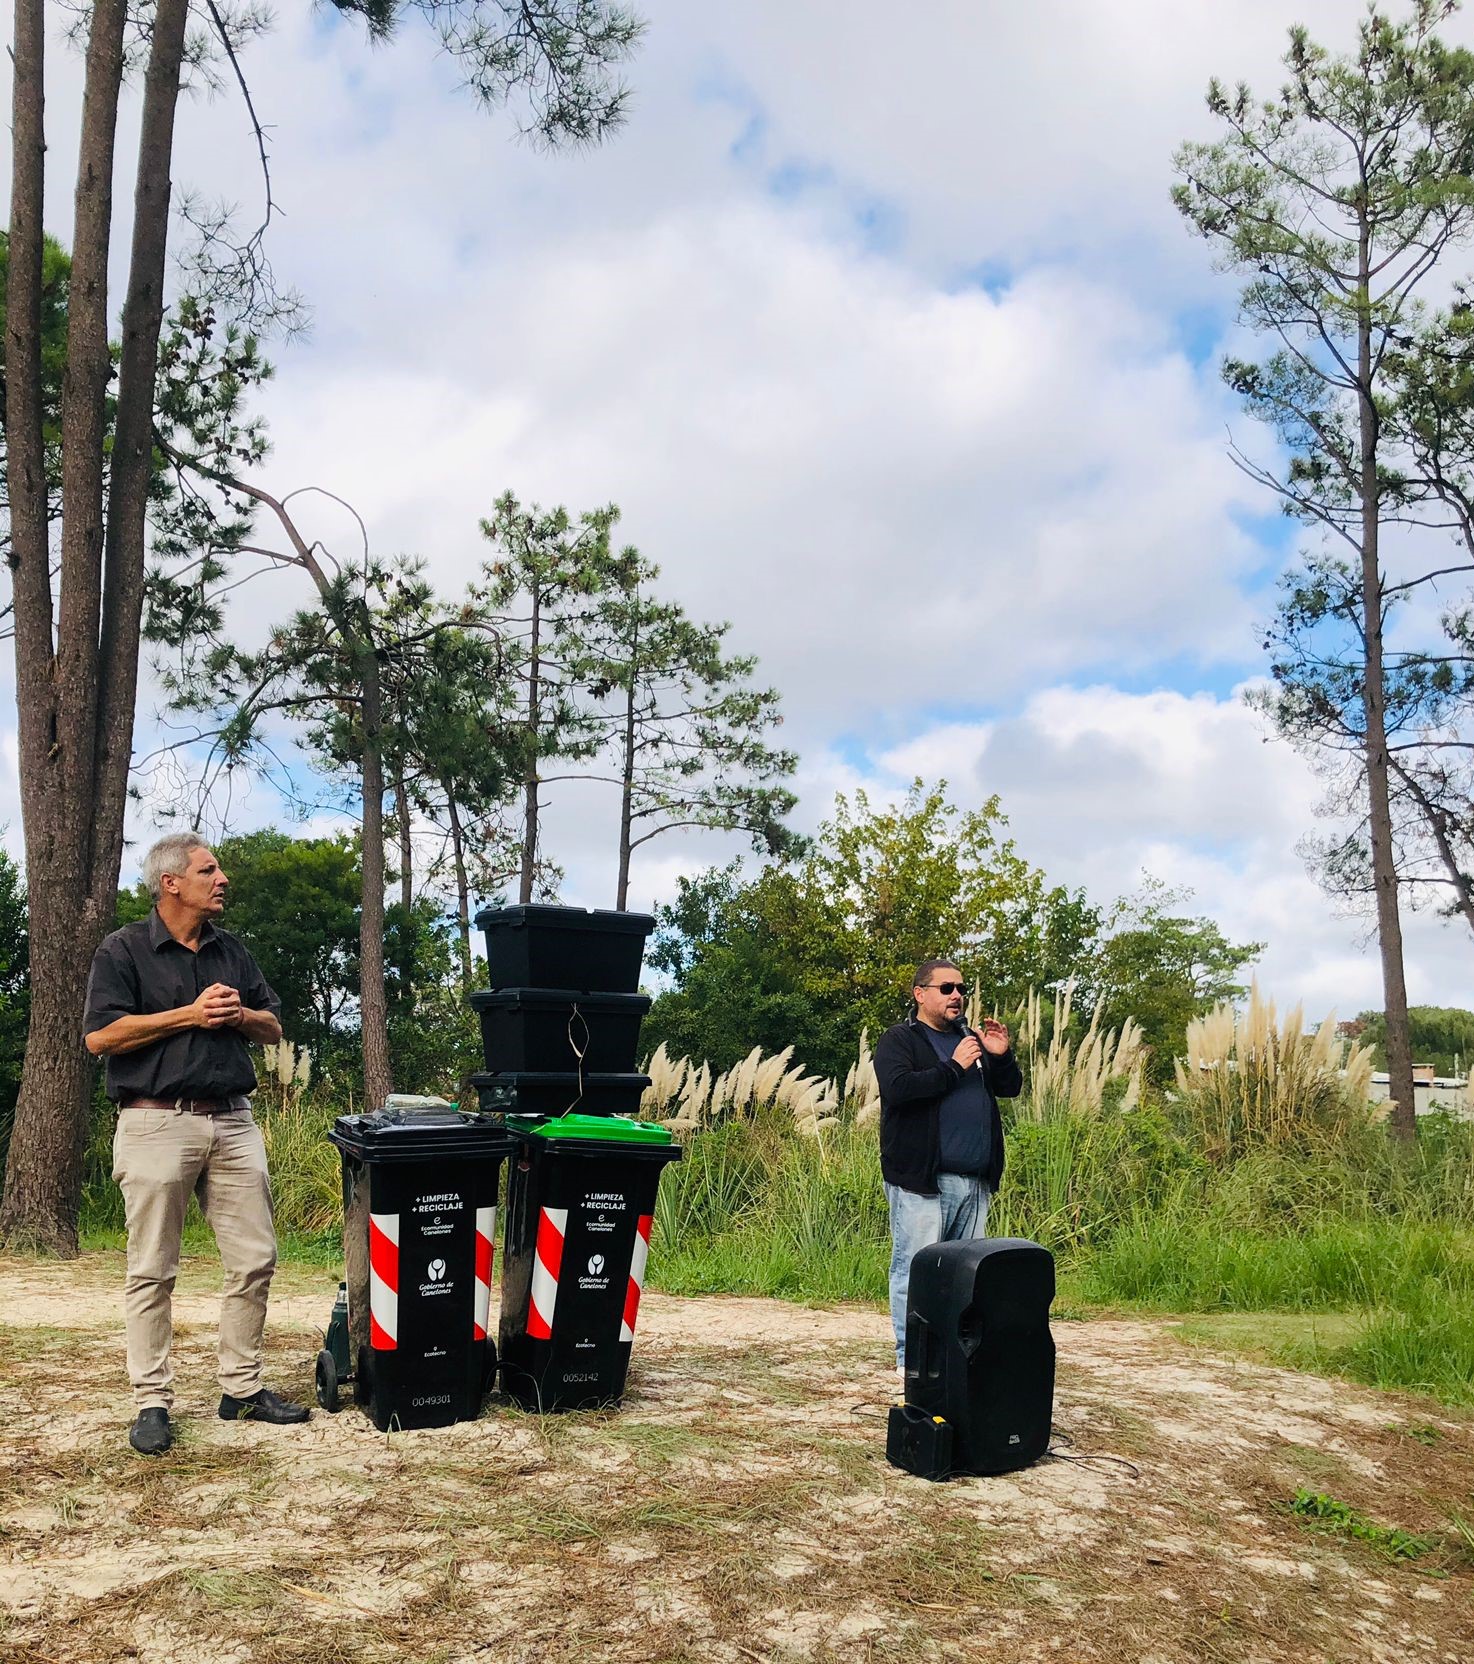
{"type": "Point", "coordinates": [579, 1051]}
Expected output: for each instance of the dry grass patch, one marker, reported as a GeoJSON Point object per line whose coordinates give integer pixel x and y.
{"type": "Point", "coordinates": [739, 1507]}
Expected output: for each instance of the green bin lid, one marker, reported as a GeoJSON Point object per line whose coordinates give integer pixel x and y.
{"type": "Point", "coordinates": [608, 1129]}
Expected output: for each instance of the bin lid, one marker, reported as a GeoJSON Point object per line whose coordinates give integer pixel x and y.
{"type": "Point", "coordinates": [547, 916]}
{"type": "Point", "coordinates": [561, 1000]}
{"type": "Point", "coordinates": [428, 1134]}
{"type": "Point", "coordinates": [604, 1129]}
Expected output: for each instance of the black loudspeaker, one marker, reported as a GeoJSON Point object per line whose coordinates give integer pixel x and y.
{"type": "Point", "coordinates": [979, 1351]}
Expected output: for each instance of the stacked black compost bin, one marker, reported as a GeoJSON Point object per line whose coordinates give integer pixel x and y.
{"type": "Point", "coordinates": [560, 1031]}
{"type": "Point", "coordinates": [412, 1330]}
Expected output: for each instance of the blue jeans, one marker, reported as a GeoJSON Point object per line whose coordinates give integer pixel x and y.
{"type": "Point", "coordinates": [957, 1213]}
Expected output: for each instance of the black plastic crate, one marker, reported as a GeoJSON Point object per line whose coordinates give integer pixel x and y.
{"type": "Point", "coordinates": [589, 952]}
{"type": "Point", "coordinates": [547, 1029]}
{"type": "Point", "coordinates": [537, 1092]}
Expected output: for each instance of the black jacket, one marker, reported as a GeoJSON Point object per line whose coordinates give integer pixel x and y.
{"type": "Point", "coordinates": [913, 1081]}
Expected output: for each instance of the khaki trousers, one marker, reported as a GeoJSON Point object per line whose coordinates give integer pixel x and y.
{"type": "Point", "coordinates": [160, 1158]}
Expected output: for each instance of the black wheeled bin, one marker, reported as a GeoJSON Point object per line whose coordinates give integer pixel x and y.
{"type": "Point", "coordinates": [419, 1221]}
{"type": "Point", "coordinates": [533, 945]}
{"type": "Point", "coordinates": [580, 1203]}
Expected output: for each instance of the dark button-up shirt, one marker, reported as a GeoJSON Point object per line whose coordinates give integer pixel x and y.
{"type": "Point", "coordinates": [140, 970]}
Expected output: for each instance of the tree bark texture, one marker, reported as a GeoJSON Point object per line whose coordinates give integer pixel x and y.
{"type": "Point", "coordinates": [76, 658]}
{"type": "Point", "coordinates": [1403, 1118]}
{"type": "Point", "coordinates": [132, 467]}
{"type": "Point", "coordinates": [529, 770]}
{"type": "Point", "coordinates": [378, 1076]}
{"type": "Point", "coordinates": [627, 789]}
{"type": "Point", "coordinates": [463, 889]}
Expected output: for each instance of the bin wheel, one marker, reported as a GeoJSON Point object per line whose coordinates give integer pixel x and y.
{"type": "Point", "coordinates": [327, 1381]}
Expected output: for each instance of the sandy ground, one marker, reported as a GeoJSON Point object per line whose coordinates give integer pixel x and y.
{"type": "Point", "coordinates": [738, 1507]}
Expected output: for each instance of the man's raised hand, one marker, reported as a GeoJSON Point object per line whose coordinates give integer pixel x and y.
{"type": "Point", "coordinates": [995, 1038]}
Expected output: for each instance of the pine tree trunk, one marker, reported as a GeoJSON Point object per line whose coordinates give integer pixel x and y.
{"type": "Point", "coordinates": [74, 699]}
{"type": "Point", "coordinates": [133, 450]}
{"type": "Point", "coordinates": [463, 891]}
{"type": "Point", "coordinates": [1403, 1118]}
{"type": "Point", "coordinates": [378, 1075]}
{"type": "Point", "coordinates": [529, 767]}
{"type": "Point", "coordinates": [627, 791]}
{"type": "Point", "coordinates": [43, 1180]}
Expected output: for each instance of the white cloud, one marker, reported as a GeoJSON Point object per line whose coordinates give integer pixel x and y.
{"type": "Point", "coordinates": [1101, 786]}
{"type": "Point", "coordinates": [951, 519]}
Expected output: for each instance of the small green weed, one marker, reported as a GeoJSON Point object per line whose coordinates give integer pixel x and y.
{"type": "Point", "coordinates": [1428, 1436]}
{"type": "Point", "coordinates": [1325, 1513]}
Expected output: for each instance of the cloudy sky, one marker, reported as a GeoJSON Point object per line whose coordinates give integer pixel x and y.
{"type": "Point", "coordinates": [878, 324]}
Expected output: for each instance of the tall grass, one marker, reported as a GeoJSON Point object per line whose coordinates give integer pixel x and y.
{"type": "Point", "coordinates": [1078, 1079]}
{"type": "Point", "coordinates": [1264, 1184]}
{"type": "Point", "coordinates": [1249, 1080]}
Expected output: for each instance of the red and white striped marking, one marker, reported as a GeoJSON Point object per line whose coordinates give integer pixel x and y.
{"type": "Point", "coordinates": [637, 1276]}
{"type": "Point", "coordinates": [384, 1281]}
{"type": "Point", "coordinates": [485, 1237]}
{"type": "Point", "coordinates": [547, 1263]}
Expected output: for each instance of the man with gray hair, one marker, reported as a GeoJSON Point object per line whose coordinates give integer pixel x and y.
{"type": "Point", "coordinates": [171, 1004]}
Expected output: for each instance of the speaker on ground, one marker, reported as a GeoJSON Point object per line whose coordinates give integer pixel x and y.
{"type": "Point", "coordinates": [979, 1351]}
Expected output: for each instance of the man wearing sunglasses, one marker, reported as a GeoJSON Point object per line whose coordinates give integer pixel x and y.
{"type": "Point", "coordinates": [941, 1138]}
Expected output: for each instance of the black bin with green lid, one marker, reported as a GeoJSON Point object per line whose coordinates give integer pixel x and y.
{"type": "Point", "coordinates": [580, 1206]}
{"type": "Point", "coordinates": [419, 1223]}
{"type": "Point", "coordinates": [589, 951]}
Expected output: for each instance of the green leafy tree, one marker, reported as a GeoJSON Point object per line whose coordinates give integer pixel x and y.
{"type": "Point", "coordinates": [1338, 197]}
{"type": "Point", "coordinates": [1162, 969]}
{"type": "Point", "coordinates": [738, 982]}
{"type": "Point", "coordinates": [1443, 1037]}
{"type": "Point", "coordinates": [688, 730]}
{"type": "Point", "coordinates": [540, 585]}
{"type": "Point", "coordinates": [448, 706]}
{"type": "Point", "coordinates": [826, 942]}
{"type": "Point", "coordinates": [433, 1034]}
{"type": "Point", "coordinates": [295, 903]}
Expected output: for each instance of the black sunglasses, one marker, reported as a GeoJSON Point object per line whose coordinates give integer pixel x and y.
{"type": "Point", "coordinates": [947, 987]}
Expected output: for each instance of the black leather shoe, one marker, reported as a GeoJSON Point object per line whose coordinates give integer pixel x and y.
{"type": "Point", "coordinates": [262, 1406]}
{"type": "Point", "coordinates": [150, 1434]}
